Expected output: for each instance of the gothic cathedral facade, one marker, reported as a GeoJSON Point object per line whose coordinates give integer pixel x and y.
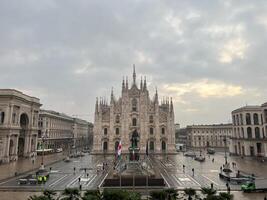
{"type": "Point", "coordinates": [134, 112]}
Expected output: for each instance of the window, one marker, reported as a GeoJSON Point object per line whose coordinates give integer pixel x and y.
{"type": "Point", "coordinates": [248, 119]}
{"type": "Point", "coordinates": [117, 131]}
{"type": "Point", "coordinates": [162, 131]}
{"type": "Point", "coordinates": [151, 131]}
{"type": "Point", "coordinates": [2, 117]}
{"type": "Point", "coordinates": [257, 133]}
{"type": "Point", "coordinates": [151, 146]}
{"type": "Point", "coordinates": [134, 122]}
{"type": "Point", "coordinates": [134, 105]}
{"type": "Point", "coordinates": [163, 146]}
{"type": "Point", "coordinates": [256, 119]}
{"type": "Point", "coordinates": [241, 119]}
{"type": "Point", "coordinates": [150, 119]}
{"type": "Point", "coordinates": [234, 120]}
{"type": "Point", "coordinates": [105, 131]}
{"type": "Point", "coordinates": [105, 146]}
{"type": "Point", "coordinates": [249, 132]}
{"type": "Point", "coordinates": [117, 119]}
{"type": "Point", "coordinates": [14, 118]}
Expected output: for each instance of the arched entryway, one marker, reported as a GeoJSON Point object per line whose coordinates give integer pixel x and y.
{"type": "Point", "coordinates": [24, 123]}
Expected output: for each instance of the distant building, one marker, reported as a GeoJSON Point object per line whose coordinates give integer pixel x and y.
{"type": "Point", "coordinates": [181, 136]}
{"type": "Point", "coordinates": [18, 124]}
{"type": "Point", "coordinates": [55, 130]}
{"type": "Point", "coordinates": [58, 130]}
{"type": "Point", "coordinates": [214, 135]}
{"type": "Point", "coordinates": [249, 131]}
{"type": "Point", "coordinates": [134, 113]}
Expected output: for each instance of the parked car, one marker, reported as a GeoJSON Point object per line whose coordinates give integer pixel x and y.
{"type": "Point", "coordinates": [59, 150]}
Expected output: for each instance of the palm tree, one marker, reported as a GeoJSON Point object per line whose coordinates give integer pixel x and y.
{"type": "Point", "coordinates": [190, 192]}
{"type": "Point", "coordinates": [71, 194]}
{"type": "Point", "coordinates": [209, 192]}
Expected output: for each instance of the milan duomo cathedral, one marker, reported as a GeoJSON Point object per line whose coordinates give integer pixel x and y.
{"type": "Point", "coordinates": [134, 113]}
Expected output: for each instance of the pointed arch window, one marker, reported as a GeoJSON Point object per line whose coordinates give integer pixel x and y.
{"type": "Point", "coordinates": [151, 131]}
{"type": "Point", "coordinates": [162, 130]}
{"type": "Point", "coordinates": [134, 105]}
{"type": "Point", "coordinates": [105, 131]}
{"type": "Point", "coordinates": [117, 131]}
{"type": "Point", "coordinates": [151, 120]}
{"type": "Point", "coordinates": [134, 122]}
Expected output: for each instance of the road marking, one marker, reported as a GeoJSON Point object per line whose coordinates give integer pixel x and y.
{"type": "Point", "coordinates": [91, 180]}
{"type": "Point", "coordinates": [73, 181]}
{"type": "Point", "coordinates": [210, 180]}
{"type": "Point", "coordinates": [58, 180]}
{"type": "Point", "coordinates": [165, 180]}
{"type": "Point", "coordinates": [192, 179]}
{"type": "Point", "coordinates": [176, 179]}
{"type": "Point", "coordinates": [103, 180]}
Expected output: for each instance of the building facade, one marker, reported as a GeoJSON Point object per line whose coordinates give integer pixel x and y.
{"type": "Point", "coordinates": [18, 124]}
{"type": "Point", "coordinates": [58, 130]}
{"type": "Point", "coordinates": [134, 112]}
{"type": "Point", "coordinates": [249, 131]}
{"type": "Point", "coordinates": [55, 130]}
{"type": "Point", "coordinates": [215, 135]}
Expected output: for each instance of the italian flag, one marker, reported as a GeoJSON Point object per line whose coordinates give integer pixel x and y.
{"type": "Point", "coordinates": [119, 150]}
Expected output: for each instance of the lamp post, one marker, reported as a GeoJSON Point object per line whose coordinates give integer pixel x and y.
{"type": "Point", "coordinates": [43, 143]}
{"type": "Point", "coordinates": [225, 154]}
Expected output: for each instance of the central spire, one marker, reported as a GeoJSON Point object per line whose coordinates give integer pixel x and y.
{"type": "Point", "coordinates": [134, 75]}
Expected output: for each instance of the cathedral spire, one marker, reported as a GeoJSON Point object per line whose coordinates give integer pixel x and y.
{"type": "Point", "coordinates": [123, 84]}
{"type": "Point", "coordinates": [171, 105]}
{"type": "Point", "coordinates": [141, 83]}
{"type": "Point", "coordinates": [145, 83]}
{"type": "Point", "coordinates": [126, 82]}
{"type": "Point", "coordinates": [156, 96]}
{"type": "Point", "coordinates": [111, 96]}
{"type": "Point", "coordinates": [96, 105]}
{"type": "Point", "coordinates": [134, 75]}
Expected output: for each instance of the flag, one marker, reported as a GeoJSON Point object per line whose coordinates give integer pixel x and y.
{"type": "Point", "coordinates": [119, 150]}
{"type": "Point", "coordinates": [147, 148]}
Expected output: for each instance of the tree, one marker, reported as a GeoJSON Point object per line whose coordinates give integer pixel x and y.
{"type": "Point", "coordinates": [190, 192]}
{"type": "Point", "coordinates": [113, 194]}
{"type": "Point", "coordinates": [71, 194]}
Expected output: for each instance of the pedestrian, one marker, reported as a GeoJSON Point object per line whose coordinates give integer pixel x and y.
{"type": "Point", "coordinates": [211, 186]}
{"type": "Point", "coordinates": [193, 171]}
{"type": "Point", "coordinates": [213, 160]}
{"type": "Point", "coordinates": [265, 198]}
{"type": "Point", "coordinates": [228, 189]}
{"type": "Point", "coordinates": [221, 169]}
{"type": "Point", "coordinates": [183, 167]}
{"type": "Point", "coordinates": [80, 187]}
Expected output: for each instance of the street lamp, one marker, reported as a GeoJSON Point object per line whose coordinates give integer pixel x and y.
{"type": "Point", "coordinates": [43, 141]}
{"type": "Point", "coordinates": [225, 154]}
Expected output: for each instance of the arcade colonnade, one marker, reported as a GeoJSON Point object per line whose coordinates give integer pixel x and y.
{"type": "Point", "coordinates": [18, 124]}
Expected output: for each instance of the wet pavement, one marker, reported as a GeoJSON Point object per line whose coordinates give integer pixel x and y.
{"type": "Point", "coordinates": [170, 168]}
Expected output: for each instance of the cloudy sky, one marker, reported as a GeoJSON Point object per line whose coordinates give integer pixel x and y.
{"type": "Point", "coordinates": [210, 56]}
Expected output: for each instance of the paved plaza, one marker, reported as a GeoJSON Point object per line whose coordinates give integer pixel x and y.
{"type": "Point", "coordinates": [85, 171]}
